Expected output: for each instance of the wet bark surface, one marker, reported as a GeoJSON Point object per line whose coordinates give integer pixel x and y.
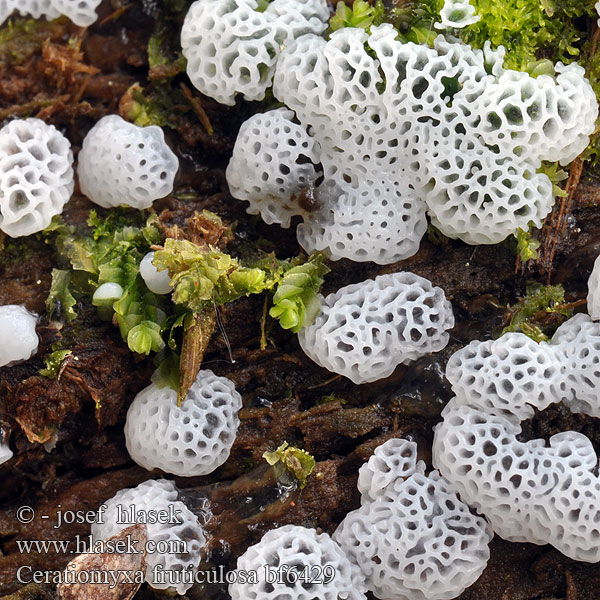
{"type": "Point", "coordinates": [67, 433]}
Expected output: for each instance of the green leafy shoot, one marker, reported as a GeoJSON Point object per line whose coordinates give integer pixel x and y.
{"type": "Point", "coordinates": [113, 248]}
{"type": "Point", "coordinates": [60, 301]}
{"type": "Point", "coordinates": [555, 174]}
{"type": "Point", "coordinates": [361, 15]}
{"type": "Point", "coordinates": [164, 61]}
{"type": "Point", "coordinates": [296, 462]}
{"type": "Point", "coordinates": [154, 105]}
{"type": "Point", "coordinates": [527, 245]}
{"type": "Point", "coordinates": [539, 312]}
{"type": "Point", "coordinates": [296, 302]}
{"type": "Point", "coordinates": [54, 363]}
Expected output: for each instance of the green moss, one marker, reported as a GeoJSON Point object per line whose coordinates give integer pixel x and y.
{"type": "Point", "coordinates": [21, 38]}
{"type": "Point", "coordinates": [60, 300]}
{"type": "Point", "coordinates": [163, 59]}
{"type": "Point", "coordinates": [361, 14]}
{"type": "Point", "coordinates": [202, 277]}
{"type": "Point", "coordinates": [53, 362]}
{"type": "Point", "coordinates": [531, 29]}
{"type": "Point", "coordinates": [154, 105]}
{"type": "Point", "coordinates": [296, 303]}
{"type": "Point", "coordinates": [295, 461]}
{"type": "Point", "coordinates": [415, 20]}
{"type": "Point", "coordinates": [527, 246]}
{"type": "Point", "coordinates": [15, 250]}
{"type": "Point", "coordinates": [330, 398]}
{"type": "Point", "coordinates": [556, 175]}
{"type": "Point", "coordinates": [530, 315]}
{"type": "Point", "coordinates": [111, 251]}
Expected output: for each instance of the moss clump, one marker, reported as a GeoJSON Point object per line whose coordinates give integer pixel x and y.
{"type": "Point", "coordinates": [527, 245]}
{"type": "Point", "coordinates": [152, 106]}
{"type": "Point", "coordinates": [22, 38]}
{"type": "Point", "coordinates": [204, 276]}
{"type": "Point", "coordinates": [539, 312]}
{"type": "Point", "coordinates": [110, 252]}
{"type": "Point", "coordinates": [531, 29]}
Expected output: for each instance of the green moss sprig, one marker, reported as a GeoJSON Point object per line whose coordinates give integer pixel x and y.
{"type": "Point", "coordinates": [527, 245]}
{"type": "Point", "coordinates": [296, 303]}
{"type": "Point", "coordinates": [54, 362]}
{"type": "Point", "coordinates": [60, 301]}
{"type": "Point", "coordinates": [539, 312]}
{"type": "Point", "coordinates": [202, 277]}
{"type": "Point", "coordinates": [295, 461]}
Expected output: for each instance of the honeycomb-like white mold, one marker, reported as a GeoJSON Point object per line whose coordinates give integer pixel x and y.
{"type": "Point", "coordinates": [182, 531]}
{"type": "Point", "coordinates": [537, 118]}
{"type": "Point", "coordinates": [456, 14]}
{"type": "Point", "coordinates": [402, 129]}
{"type": "Point", "coordinates": [578, 343]}
{"type": "Point", "coordinates": [81, 12]}
{"type": "Point", "coordinates": [365, 330]}
{"type": "Point", "coordinates": [319, 568]}
{"type": "Point", "coordinates": [272, 164]}
{"type": "Point", "coordinates": [529, 491]}
{"type": "Point", "coordinates": [123, 164]}
{"type": "Point", "coordinates": [375, 222]}
{"type": "Point", "coordinates": [512, 376]}
{"type": "Point", "coordinates": [18, 338]}
{"type": "Point", "coordinates": [593, 297]}
{"type": "Point", "coordinates": [232, 48]}
{"type": "Point", "coordinates": [480, 196]}
{"type": "Point", "coordinates": [412, 538]}
{"type": "Point", "coordinates": [36, 176]}
{"type": "Point", "coordinates": [188, 440]}
{"type": "Point", "coordinates": [393, 460]}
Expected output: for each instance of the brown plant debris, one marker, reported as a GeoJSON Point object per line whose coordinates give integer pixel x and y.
{"type": "Point", "coordinates": [119, 573]}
